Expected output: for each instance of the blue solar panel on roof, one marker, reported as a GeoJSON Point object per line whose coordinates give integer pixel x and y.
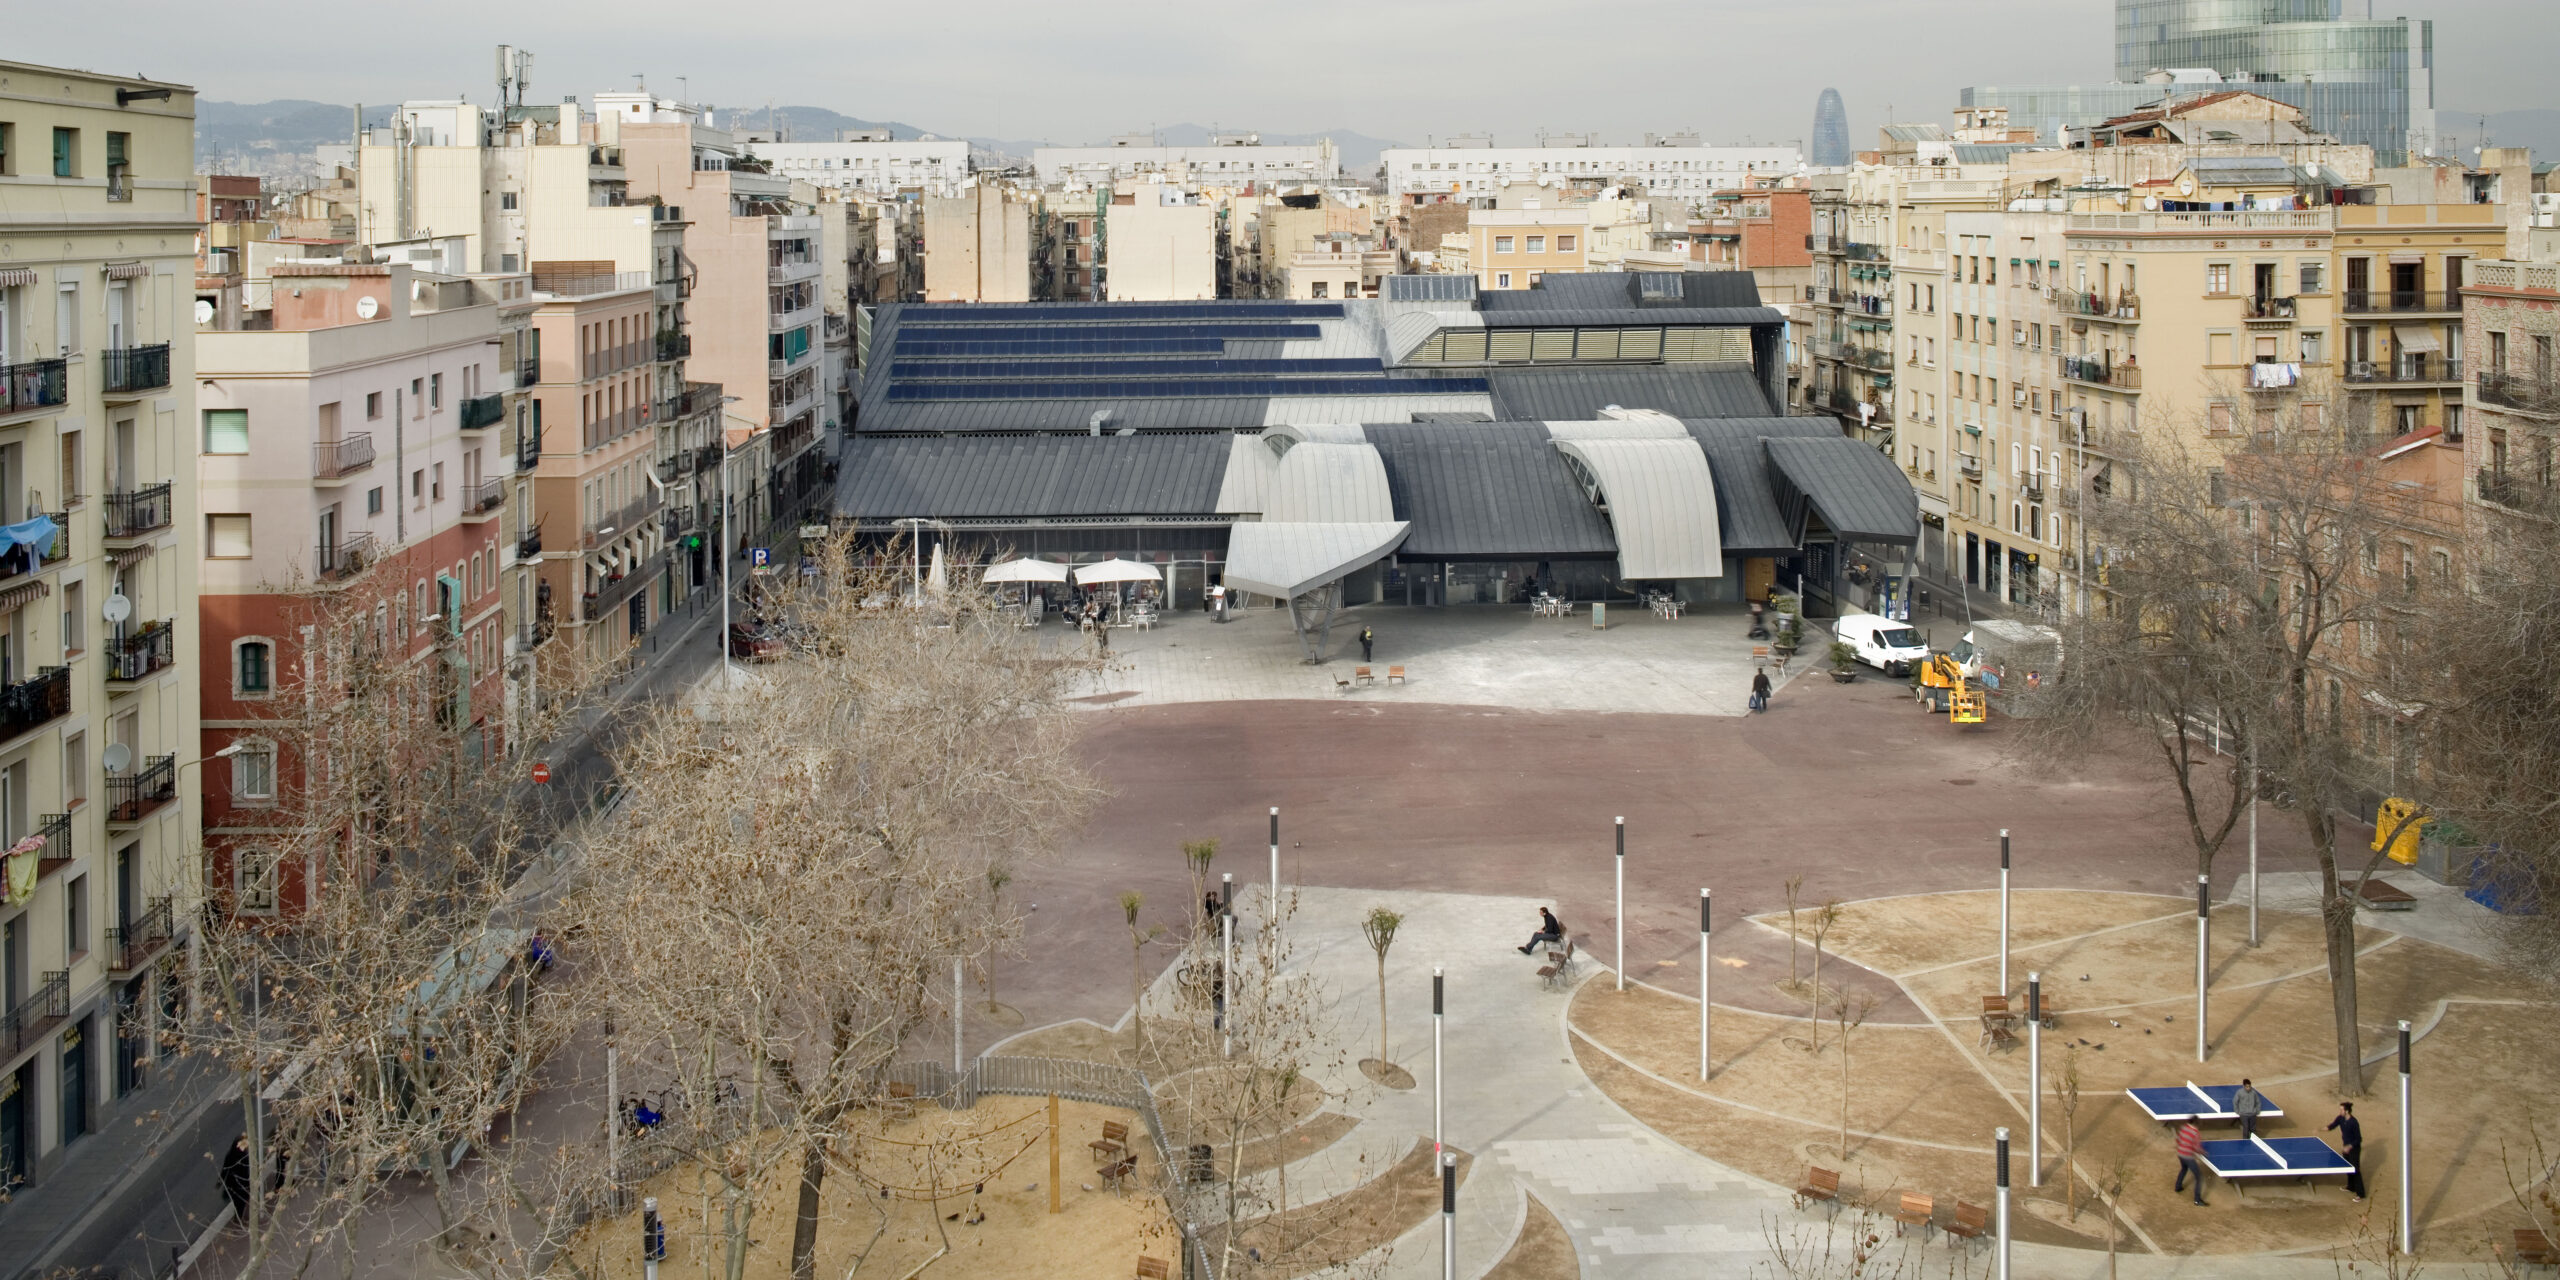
{"type": "Point", "coordinates": [918, 345]}
{"type": "Point", "coordinates": [1113, 312]}
{"type": "Point", "coordinates": [1100, 390]}
{"type": "Point", "coordinates": [914, 370]}
{"type": "Point", "coordinates": [1088, 333]}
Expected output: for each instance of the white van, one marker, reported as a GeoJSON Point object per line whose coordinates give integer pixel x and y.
{"type": "Point", "coordinates": [1894, 648]}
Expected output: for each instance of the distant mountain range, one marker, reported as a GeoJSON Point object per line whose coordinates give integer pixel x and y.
{"type": "Point", "coordinates": [279, 137]}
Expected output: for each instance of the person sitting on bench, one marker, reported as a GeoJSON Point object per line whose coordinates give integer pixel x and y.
{"type": "Point", "coordinates": [1550, 931]}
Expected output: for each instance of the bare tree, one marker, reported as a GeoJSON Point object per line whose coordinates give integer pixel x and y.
{"type": "Point", "coordinates": [1196, 856]}
{"type": "Point", "coordinates": [1379, 927]}
{"type": "Point", "coordinates": [1130, 901]}
{"type": "Point", "coordinates": [1825, 918]}
{"type": "Point", "coordinates": [2066, 1099]}
{"type": "Point", "coordinates": [1850, 1011]}
{"type": "Point", "coordinates": [1795, 886]}
{"type": "Point", "coordinates": [810, 855]}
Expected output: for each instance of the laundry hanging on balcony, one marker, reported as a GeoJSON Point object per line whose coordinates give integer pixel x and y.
{"type": "Point", "coordinates": [2269, 375]}
{"type": "Point", "coordinates": [35, 535]}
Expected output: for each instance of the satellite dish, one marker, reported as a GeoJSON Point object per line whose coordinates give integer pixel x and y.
{"type": "Point", "coordinates": [368, 307]}
{"type": "Point", "coordinates": [204, 311]}
{"type": "Point", "coordinates": [117, 608]}
{"type": "Point", "coordinates": [117, 757]}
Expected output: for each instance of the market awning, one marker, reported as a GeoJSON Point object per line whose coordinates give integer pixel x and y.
{"type": "Point", "coordinates": [1661, 501]}
{"type": "Point", "coordinates": [2415, 338]}
{"type": "Point", "coordinates": [1855, 488]}
{"type": "Point", "coordinates": [1284, 558]}
{"type": "Point", "coordinates": [1022, 571]}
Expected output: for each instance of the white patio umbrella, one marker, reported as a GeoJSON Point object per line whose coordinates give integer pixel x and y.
{"type": "Point", "coordinates": [1026, 571]}
{"type": "Point", "coordinates": [938, 578]}
{"type": "Point", "coordinates": [1116, 571]}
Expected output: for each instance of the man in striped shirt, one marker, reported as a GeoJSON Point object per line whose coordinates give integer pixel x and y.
{"type": "Point", "coordinates": [2190, 1159]}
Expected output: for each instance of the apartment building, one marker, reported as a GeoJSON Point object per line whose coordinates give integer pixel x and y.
{"type": "Point", "coordinates": [1286, 224]}
{"type": "Point", "coordinates": [869, 160]}
{"type": "Point", "coordinates": [596, 549]}
{"type": "Point", "coordinates": [1666, 167]}
{"type": "Point", "coordinates": [978, 244]}
{"type": "Point", "coordinates": [1340, 264]}
{"type": "Point", "coordinates": [98, 621]}
{"type": "Point", "coordinates": [1069, 245]}
{"type": "Point", "coordinates": [353, 452]}
{"type": "Point", "coordinates": [2511, 448]}
{"type": "Point", "coordinates": [1164, 244]}
{"type": "Point", "coordinates": [1517, 247]}
{"type": "Point", "coordinates": [231, 215]}
{"type": "Point", "coordinates": [1228, 160]}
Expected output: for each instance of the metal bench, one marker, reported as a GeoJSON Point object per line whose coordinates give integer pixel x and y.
{"type": "Point", "coordinates": [1558, 970]}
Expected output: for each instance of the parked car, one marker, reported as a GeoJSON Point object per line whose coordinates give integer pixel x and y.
{"type": "Point", "coordinates": [754, 643]}
{"type": "Point", "coordinates": [1894, 648]}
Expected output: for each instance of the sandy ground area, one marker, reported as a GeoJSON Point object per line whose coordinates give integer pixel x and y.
{"type": "Point", "coordinates": [1923, 1100]}
{"type": "Point", "coordinates": [1542, 1251]}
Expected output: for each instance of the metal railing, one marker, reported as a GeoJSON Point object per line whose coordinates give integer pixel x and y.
{"type": "Point", "coordinates": [35, 701]}
{"type": "Point", "coordinates": [2517, 391]}
{"type": "Point", "coordinates": [2081, 302]}
{"type": "Point", "coordinates": [55, 830]}
{"type": "Point", "coordinates": [2510, 490]}
{"type": "Point", "coordinates": [46, 1008]}
{"type": "Point", "coordinates": [528, 372]}
{"type": "Point", "coordinates": [34, 384]}
{"type": "Point", "coordinates": [2097, 370]}
{"type": "Point", "coordinates": [131, 946]}
{"type": "Point", "coordinates": [343, 559]}
{"type": "Point", "coordinates": [2409, 368]}
{"type": "Point", "coordinates": [332, 458]}
{"type": "Point", "coordinates": [528, 446]}
{"type": "Point", "coordinates": [133, 512]}
{"type": "Point", "coordinates": [130, 369]}
{"type": "Point", "coordinates": [483, 411]}
{"type": "Point", "coordinates": [530, 545]}
{"type": "Point", "coordinates": [1867, 252]}
{"type": "Point", "coordinates": [673, 345]}
{"type": "Point", "coordinates": [2267, 308]}
{"type": "Point", "coordinates": [136, 656]}
{"type": "Point", "coordinates": [486, 496]}
{"type": "Point", "coordinates": [596, 604]}
{"type": "Point", "coordinates": [132, 796]}
{"type": "Point", "coordinates": [2355, 301]}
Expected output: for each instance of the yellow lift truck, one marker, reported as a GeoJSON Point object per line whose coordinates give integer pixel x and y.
{"type": "Point", "coordinates": [1949, 682]}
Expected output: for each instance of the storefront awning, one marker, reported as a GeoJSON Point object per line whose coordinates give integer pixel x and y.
{"type": "Point", "coordinates": [1286, 558]}
{"type": "Point", "coordinates": [2415, 338]}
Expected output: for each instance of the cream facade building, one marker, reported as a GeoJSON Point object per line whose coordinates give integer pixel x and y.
{"type": "Point", "coordinates": [100, 654]}
{"type": "Point", "coordinates": [1515, 248]}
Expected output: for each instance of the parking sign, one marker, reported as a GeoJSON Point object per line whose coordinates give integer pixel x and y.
{"type": "Point", "coordinates": [759, 555]}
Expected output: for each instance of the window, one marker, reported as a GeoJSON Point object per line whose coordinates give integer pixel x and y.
{"type": "Point", "coordinates": [435, 492]}
{"type": "Point", "coordinates": [1318, 289]}
{"type": "Point", "coordinates": [418, 487]}
{"type": "Point", "coordinates": [253, 880]}
{"type": "Point", "coordinates": [2217, 278]}
{"type": "Point", "coordinates": [1502, 244]}
{"type": "Point", "coordinates": [1502, 280]}
{"type": "Point", "coordinates": [226, 537]}
{"type": "Point", "coordinates": [373, 404]}
{"type": "Point", "coordinates": [2315, 277]}
{"type": "Point", "coordinates": [435, 390]}
{"type": "Point", "coordinates": [2218, 419]}
{"type": "Point", "coordinates": [373, 501]}
{"type": "Point", "coordinates": [8, 148]}
{"type": "Point", "coordinates": [2444, 566]}
{"type": "Point", "coordinates": [255, 667]}
{"type": "Point", "coordinates": [2311, 345]}
{"type": "Point", "coordinates": [75, 917]}
{"type": "Point", "coordinates": [75, 618]}
{"type": "Point", "coordinates": [226, 431]}
{"type": "Point", "coordinates": [1564, 244]}
{"type": "Point", "coordinates": [1537, 244]}
{"type": "Point", "coordinates": [75, 770]}
{"type": "Point", "coordinates": [253, 771]}
{"type": "Point", "coordinates": [66, 153]}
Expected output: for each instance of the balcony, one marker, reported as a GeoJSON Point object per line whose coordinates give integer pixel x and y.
{"type": "Point", "coordinates": [143, 654]}
{"type": "Point", "coordinates": [482, 500]}
{"type": "Point", "coordinates": [55, 831]}
{"type": "Point", "coordinates": [483, 411]}
{"type": "Point", "coordinates": [677, 521]}
{"type": "Point", "coordinates": [31, 1019]}
{"type": "Point", "coordinates": [2095, 306]}
{"type": "Point", "coordinates": [2516, 391]}
{"type": "Point", "coordinates": [343, 559]}
{"type": "Point", "coordinates": [2409, 370]}
{"type": "Point", "coordinates": [131, 947]}
{"type": "Point", "coordinates": [138, 512]}
{"type": "Point", "coordinates": [614, 524]}
{"type": "Point", "coordinates": [2275, 311]}
{"type": "Point", "coordinates": [1970, 464]}
{"type": "Point", "coordinates": [528, 372]}
{"type": "Point", "coordinates": [698, 397]}
{"type": "Point", "coordinates": [134, 370]}
{"type": "Point", "coordinates": [2031, 485]}
{"type": "Point", "coordinates": [32, 703]}
{"type": "Point", "coordinates": [673, 345]}
{"type": "Point", "coordinates": [131, 797]}
{"type": "Point", "coordinates": [35, 384]}
{"type": "Point", "coordinates": [2095, 369]}
{"type": "Point", "coordinates": [530, 545]}
{"type": "Point", "coordinates": [600, 603]}
{"type": "Point", "coordinates": [335, 459]}
{"type": "Point", "coordinates": [2401, 301]}
{"type": "Point", "coordinates": [528, 446]}
{"type": "Point", "coordinates": [1867, 252]}
{"type": "Point", "coordinates": [790, 269]}
{"type": "Point", "coordinates": [2508, 490]}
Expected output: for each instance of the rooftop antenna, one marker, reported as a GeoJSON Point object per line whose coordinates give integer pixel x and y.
{"type": "Point", "coordinates": [639, 82]}
{"type": "Point", "coordinates": [684, 89]}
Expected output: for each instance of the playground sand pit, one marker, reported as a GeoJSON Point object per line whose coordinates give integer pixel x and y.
{"type": "Point", "coordinates": [1904, 935]}
{"type": "Point", "coordinates": [1098, 1234]}
{"type": "Point", "coordinates": [1927, 1100]}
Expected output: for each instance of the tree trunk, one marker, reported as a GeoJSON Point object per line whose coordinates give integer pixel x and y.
{"type": "Point", "coordinates": [1382, 1013]}
{"type": "Point", "coordinates": [804, 1227]}
{"type": "Point", "coordinates": [2338, 930]}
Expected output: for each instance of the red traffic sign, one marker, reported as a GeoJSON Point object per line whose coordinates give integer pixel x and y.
{"type": "Point", "coordinates": [541, 772]}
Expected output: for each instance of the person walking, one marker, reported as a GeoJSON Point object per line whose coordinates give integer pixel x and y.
{"type": "Point", "coordinates": [1760, 689]}
{"type": "Point", "coordinates": [1550, 931]}
{"type": "Point", "coordinates": [235, 1179]}
{"type": "Point", "coordinates": [2351, 1137]}
{"type": "Point", "coordinates": [2190, 1159]}
{"type": "Point", "coordinates": [1367, 638]}
{"type": "Point", "coordinates": [2246, 1104]}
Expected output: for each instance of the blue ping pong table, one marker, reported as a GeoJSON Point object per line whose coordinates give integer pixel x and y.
{"type": "Point", "coordinates": [2193, 1101]}
{"type": "Point", "coordinates": [2237, 1159]}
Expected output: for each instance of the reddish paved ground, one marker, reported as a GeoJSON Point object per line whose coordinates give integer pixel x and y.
{"type": "Point", "coordinates": [1851, 786]}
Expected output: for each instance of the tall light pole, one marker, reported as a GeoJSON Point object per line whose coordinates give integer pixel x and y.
{"type": "Point", "coordinates": [1706, 990]}
{"type": "Point", "coordinates": [2408, 1223]}
{"type": "Point", "coordinates": [1448, 1215]}
{"type": "Point", "coordinates": [2004, 912]}
{"type": "Point", "coordinates": [2204, 952]}
{"type": "Point", "coordinates": [1271, 909]}
{"type": "Point", "coordinates": [2253, 842]}
{"type": "Point", "coordinates": [2000, 1148]}
{"type": "Point", "coordinates": [1439, 1144]}
{"type": "Point", "coordinates": [1227, 962]}
{"type": "Point", "coordinates": [728, 665]}
{"type": "Point", "coordinates": [1622, 903]}
{"type": "Point", "coordinates": [2035, 1079]}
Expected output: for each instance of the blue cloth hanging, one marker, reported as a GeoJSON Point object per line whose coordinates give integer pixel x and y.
{"type": "Point", "coordinates": [38, 533]}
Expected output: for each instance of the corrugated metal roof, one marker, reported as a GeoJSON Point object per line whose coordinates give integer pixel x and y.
{"type": "Point", "coordinates": [1988, 152]}
{"type": "Point", "coordinates": [1617, 317]}
{"type": "Point", "coordinates": [1855, 489]}
{"type": "Point", "coordinates": [1487, 491]}
{"type": "Point", "coordinates": [1615, 290]}
{"type": "Point", "coordinates": [1031, 477]}
{"type": "Point", "coordinates": [1750, 520]}
{"type": "Point", "coordinates": [1662, 504]}
{"type": "Point", "coordinates": [1581, 392]}
{"type": "Point", "coordinates": [1288, 557]}
{"type": "Point", "coordinates": [1250, 466]}
{"type": "Point", "coordinates": [1431, 288]}
{"type": "Point", "coordinates": [1329, 481]}
{"type": "Point", "coordinates": [1284, 409]}
{"type": "Point", "coordinates": [1151, 413]}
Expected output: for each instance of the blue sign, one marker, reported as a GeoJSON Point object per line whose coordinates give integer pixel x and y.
{"type": "Point", "coordinates": [759, 555]}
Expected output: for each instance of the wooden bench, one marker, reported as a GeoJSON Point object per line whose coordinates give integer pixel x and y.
{"type": "Point", "coordinates": [1558, 970]}
{"type": "Point", "coordinates": [2534, 1249]}
{"type": "Point", "coordinates": [1115, 1175]}
{"type": "Point", "coordinates": [1917, 1211]}
{"type": "Point", "coordinates": [1395, 675]}
{"type": "Point", "coordinates": [1997, 1035]}
{"type": "Point", "coordinates": [1341, 683]}
{"type": "Point", "coordinates": [1152, 1268]}
{"type": "Point", "coordinates": [1996, 1007]}
{"type": "Point", "coordinates": [1114, 1142]}
{"type": "Point", "coordinates": [2382, 895]}
{"type": "Point", "coordinates": [1364, 675]}
{"type": "Point", "coordinates": [1821, 1185]}
{"type": "Point", "coordinates": [902, 1099]}
{"type": "Point", "coordinates": [1971, 1221]}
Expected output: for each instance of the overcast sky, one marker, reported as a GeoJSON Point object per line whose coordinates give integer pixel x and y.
{"type": "Point", "coordinates": [1404, 69]}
